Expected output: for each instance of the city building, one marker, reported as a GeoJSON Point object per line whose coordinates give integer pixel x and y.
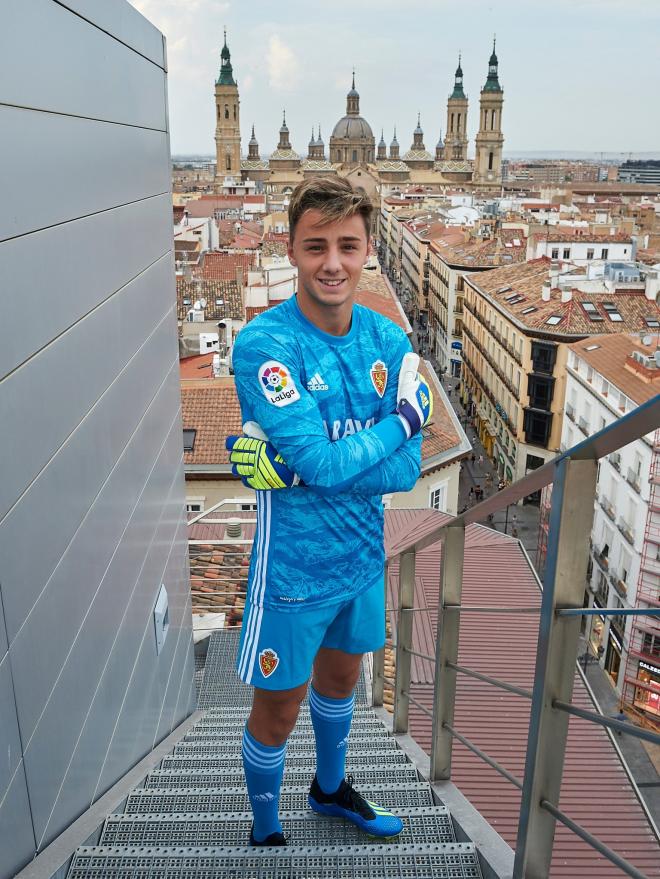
{"type": "Point", "coordinates": [517, 323]}
{"type": "Point", "coordinates": [642, 171]}
{"type": "Point", "coordinates": [580, 246]}
{"type": "Point", "coordinates": [608, 376]}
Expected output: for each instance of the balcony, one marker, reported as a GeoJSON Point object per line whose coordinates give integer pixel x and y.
{"type": "Point", "coordinates": [615, 460]}
{"type": "Point", "coordinates": [626, 529]}
{"type": "Point", "coordinates": [570, 411]}
{"type": "Point", "coordinates": [607, 506]}
{"type": "Point", "coordinates": [619, 584]}
{"type": "Point", "coordinates": [633, 479]}
{"type": "Point", "coordinates": [602, 557]}
{"type": "Point", "coordinates": [583, 424]}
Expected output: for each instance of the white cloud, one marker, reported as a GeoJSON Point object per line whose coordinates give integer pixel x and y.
{"type": "Point", "coordinates": [283, 66]}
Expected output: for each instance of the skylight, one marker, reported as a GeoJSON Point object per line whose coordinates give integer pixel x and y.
{"type": "Point", "coordinates": [516, 299]}
{"type": "Point", "coordinates": [529, 309]}
{"type": "Point", "coordinates": [592, 347]}
{"type": "Point", "coordinates": [554, 319]}
{"type": "Point", "coordinates": [592, 311]}
{"type": "Point", "coordinates": [504, 289]}
{"type": "Point", "coordinates": [189, 439]}
{"type": "Point", "coordinates": [652, 322]}
{"type": "Point", "coordinates": [510, 296]}
{"type": "Point", "coordinates": [612, 312]}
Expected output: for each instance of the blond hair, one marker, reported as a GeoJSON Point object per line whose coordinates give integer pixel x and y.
{"type": "Point", "coordinates": [334, 197]}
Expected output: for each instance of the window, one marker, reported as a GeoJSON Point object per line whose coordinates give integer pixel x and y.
{"type": "Point", "coordinates": [543, 357]}
{"type": "Point", "coordinates": [189, 435]}
{"type": "Point", "coordinates": [490, 161]}
{"type": "Point", "coordinates": [195, 504]}
{"type": "Point", "coordinates": [612, 312]}
{"type": "Point", "coordinates": [555, 253]}
{"type": "Point", "coordinates": [652, 322]}
{"type": "Point", "coordinates": [604, 252]}
{"type": "Point", "coordinates": [226, 111]}
{"type": "Point", "coordinates": [438, 496]}
{"type": "Point", "coordinates": [592, 311]}
{"type": "Point", "coordinates": [540, 389]}
{"type": "Point", "coordinates": [567, 253]}
{"type": "Point", "coordinates": [590, 253]}
{"type": "Point", "coordinates": [590, 374]}
{"type": "Point", "coordinates": [651, 644]}
{"type": "Point", "coordinates": [249, 508]}
{"type": "Point", "coordinates": [605, 388]}
{"type": "Point", "coordinates": [529, 309]}
{"type": "Point", "coordinates": [355, 158]}
{"type": "Point", "coordinates": [537, 427]}
{"type": "Point", "coordinates": [554, 319]}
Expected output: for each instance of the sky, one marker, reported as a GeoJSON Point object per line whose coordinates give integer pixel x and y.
{"type": "Point", "coordinates": [577, 75]}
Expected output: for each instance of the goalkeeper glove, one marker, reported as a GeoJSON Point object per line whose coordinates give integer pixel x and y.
{"type": "Point", "coordinates": [415, 400]}
{"type": "Point", "coordinates": [257, 462]}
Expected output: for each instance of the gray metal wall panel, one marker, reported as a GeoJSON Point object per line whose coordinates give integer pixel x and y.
{"type": "Point", "coordinates": [90, 258]}
{"type": "Point", "coordinates": [77, 81]}
{"type": "Point", "coordinates": [3, 631]}
{"type": "Point", "coordinates": [17, 843]}
{"type": "Point", "coordinates": [10, 740]}
{"type": "Point", "coordinates": [124, 22]}
{"type": "Point", "coordinates": [145, 696]}
{"type": "Point", "coordinates": [63, 607]}
{"type": "Point", "coordinates": [84, 167]}
{"type": "Point", "coordinates": [83, 545]}
{"type": "Point", "coordinates": [93, 353]}
{"type": "Point", "coordinates": [48, 762]}
{"type": "Point", "coordinates": [133, 632]}
{"type": "Point", "coordinates": [73, 479]}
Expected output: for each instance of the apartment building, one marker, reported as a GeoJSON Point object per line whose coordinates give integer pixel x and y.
{"type": "Point", "coordinates": [608, 376]}
{"type": "Point", "coordinates": [517, 324]}
{"type": "Point", "coordinates": [450, 257]}
{"type": "Point", "coordinates": [580, 245]}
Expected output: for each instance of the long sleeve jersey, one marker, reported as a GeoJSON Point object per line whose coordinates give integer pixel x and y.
{"type": "Point", "coordinates": [326, 403]}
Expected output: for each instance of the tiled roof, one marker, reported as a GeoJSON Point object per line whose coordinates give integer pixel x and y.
{"type": "Point", "coordinates": [177, 213]}
{"type": "Point", "coordinates": [373, 291]}
{"type": "Point", "coordinates": [595, 791]}
{"type": "Point", "coordinates": [223, 266]}
{"type": "Point", "coordinates": [454, 167]}
{"type": "Point", "coordinates": [558, 234]}
{"type": "Point", "coordinates": [227, 291]}
{"type": "Point", "coordinates": [527, 280]}
{"type": "Point", "coordinates": [214, 412]}
{"type": "Point", "coordinates": [417, 156]}
{"type": "Point", "coordinates": [253, 310]}
{"type": "Point", "coordinates": [274, 248]}
{"type": "Point", "coordinates": [610, 359]}
{"type": "Point", "coordinates": [254, 165]}
{"type": "Point", "coordinates": [475, 252]}
{"type": "Point", "coordinates": [196, 367]}
{"type": "Point", "coordinates": [440, 435]}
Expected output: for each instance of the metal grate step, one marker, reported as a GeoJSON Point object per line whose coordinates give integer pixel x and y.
{"type": "Point", "coordinates": [421, 826]}
{"type": "Point", "coordinates": [357, 739]}
{"type": "Point", "coordinates": [440, 861]}
{"type": "Point", "coordinates": [391, 795]}
{"type": "Point", "coordinates": [293, 776]}
{"type": "Point", "coordinates": [233, 723]}
{"type": "Point", "coordinates": [218, 758]}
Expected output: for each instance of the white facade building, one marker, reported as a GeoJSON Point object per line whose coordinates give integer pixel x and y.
{"type": "Point", "coordinates": [605, 380]}
{"type": "Point", "coordinates": [581, 248]}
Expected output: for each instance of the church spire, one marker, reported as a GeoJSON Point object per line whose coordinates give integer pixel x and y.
{"type": "Point", "coordinates": [284, 143]}
{"type": "Point", "coordinates": [226, 76]}
{"type": "Point", "coordinates": [353, 100]}
{"type": "Point", "coordinates": [458, 81]}
{"type": "Point", "coordinates": [492, 82]}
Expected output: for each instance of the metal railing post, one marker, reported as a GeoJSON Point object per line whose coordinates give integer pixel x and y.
{"type": "Point", "coordinates": [567, 555]}
{"type": "Point", "coordinates": [446, 650]}
{"type": "Point", "coordinates": [404, 632]}
{"type": "Point", "coordinates": [378, 679]}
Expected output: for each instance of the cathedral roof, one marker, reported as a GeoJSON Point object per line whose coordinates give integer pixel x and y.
{"type": "Point", "coordinates": [392, 165]}
{"type": "Point", "coordinates": [254, 165]}
{"type": "Point", "coordinates": [417, 156]}
{"type": "Point", "coordinates": [285, 154]}
{"type": "Point", "coordinates": [316, 165]}
{"type": "Point", "coordinates": [353, 128]}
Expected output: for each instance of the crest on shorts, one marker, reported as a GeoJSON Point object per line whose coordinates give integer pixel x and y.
{"type": "Point", "coordinates": [379, 377]}
{"type": "Point", "coordinates": [268, 662]}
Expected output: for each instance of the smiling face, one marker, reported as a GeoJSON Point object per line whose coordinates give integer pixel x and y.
{"type": "Point", "coordinates": [330, 258]}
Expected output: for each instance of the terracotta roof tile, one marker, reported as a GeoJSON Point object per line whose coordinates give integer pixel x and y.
{"type": "Point", "coordinates": [224, 265]}
{"type": "Point", "coordinates": [214, 412]}
{"type": "Point", "coordinates": [196, 367]}
{"type": "Point", "coordinates": [475, 252]}
{"type": "Point", "coordinates": [612, 359]}
{"type": "Point", "coordinates": [528, 279]}
{"type": "Point", "coordinates": [223, 298]}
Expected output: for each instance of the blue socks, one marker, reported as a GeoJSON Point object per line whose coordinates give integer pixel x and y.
{"type": "Point", "coordinates": [331, 719]}
{"type": "Point", "coordinates": [263, 766]}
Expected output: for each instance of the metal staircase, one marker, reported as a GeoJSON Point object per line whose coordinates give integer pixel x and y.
{"type": "Point", "coordinates": [191, 817]}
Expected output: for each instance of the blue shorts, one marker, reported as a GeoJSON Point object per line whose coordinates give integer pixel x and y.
{"type": "Point", "coordinates": [277, 648]}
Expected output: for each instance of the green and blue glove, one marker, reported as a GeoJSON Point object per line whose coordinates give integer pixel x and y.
{"type": "Point", "coordinates": [257, 462]}
{"type": "Point", "coordinates": [415, 400]}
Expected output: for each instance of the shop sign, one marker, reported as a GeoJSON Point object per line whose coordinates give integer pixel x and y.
{"type": "Point", "coordinates": [458, 346]}
{"type": "Point", "coordinates": [652, 668]}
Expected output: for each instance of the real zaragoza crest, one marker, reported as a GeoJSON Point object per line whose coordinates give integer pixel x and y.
{"type": "Point", "coordinates": [379, 377]}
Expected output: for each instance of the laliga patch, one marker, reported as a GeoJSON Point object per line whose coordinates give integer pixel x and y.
{"type": "Point", "coordinates": [379, 377]}
{"type": "Point", "coordinates": [277, 384]}
{"type": "Point", "coordinates": [268, 662]}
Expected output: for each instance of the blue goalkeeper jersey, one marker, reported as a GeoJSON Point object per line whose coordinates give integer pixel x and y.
{"type": "Point", "coordinates": [326, 403]}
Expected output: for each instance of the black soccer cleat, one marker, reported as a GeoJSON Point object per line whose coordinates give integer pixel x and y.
{"type": "Point", "coordinates": [272, 839]}
{"type": "Point", "coordinates": [347, 803]}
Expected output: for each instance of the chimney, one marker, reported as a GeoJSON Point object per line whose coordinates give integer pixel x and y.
{"type": "Point", "coordinates": [234, 529]}
{"type": "Point", "coordinates": [545, 291]}
{"type": "Point", "coordinates": [566, 294]}
{"type": "Point", "coordinates": [652, 286]}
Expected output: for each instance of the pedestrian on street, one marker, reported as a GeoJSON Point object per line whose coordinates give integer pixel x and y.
{"type": "Point", "coordinates": [471, 493]}
{"type": "Point", "coordinates": [481, 460]}
{"type": "Point", "coordinates": [473, 457]}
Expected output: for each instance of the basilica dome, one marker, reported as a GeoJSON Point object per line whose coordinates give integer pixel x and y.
{"type": "Point", "coordinates": [353, 128]}
{"type": "Point", "coordinates": [352, 142]}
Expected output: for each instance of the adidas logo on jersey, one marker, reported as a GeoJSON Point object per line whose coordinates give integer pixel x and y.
{"type": "Point", "coordinates": [316, 383]}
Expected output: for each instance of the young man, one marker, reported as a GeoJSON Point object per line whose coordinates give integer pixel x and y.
{"type": "Point", "coordinates": [320, 377]}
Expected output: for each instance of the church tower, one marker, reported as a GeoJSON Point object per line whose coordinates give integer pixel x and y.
{"type": "Point", "coordinates": [488, 160]}
{"type": "Point", "coordinates": [456, 140]}
{"type": "Point", "coordinates": [227, 121]}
